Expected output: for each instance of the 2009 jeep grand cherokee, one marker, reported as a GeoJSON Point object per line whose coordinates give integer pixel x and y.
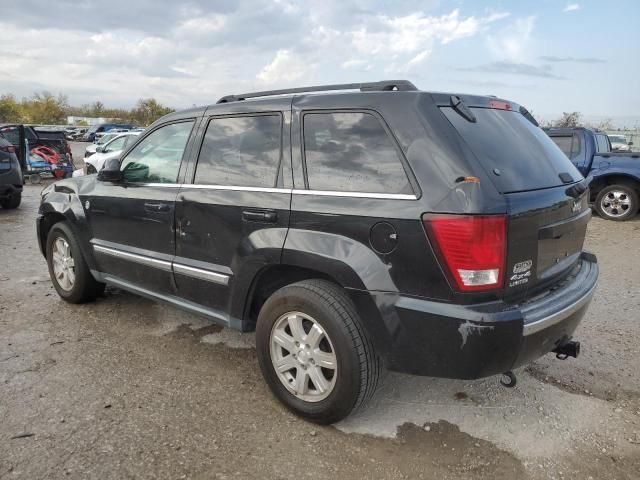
{"type": "Point", "coordinates": [378, 226]}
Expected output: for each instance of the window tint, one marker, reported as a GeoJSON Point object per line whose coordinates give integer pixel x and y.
{"type": "Point", "coordinates": [602, 143]}
{"type": "Point", "coordinates": [525, 156]}
{"type": "Point", "coordinates": [242, 151]}
{"type": "Point", "coordinates": [351, 152]}
{"type": "Point", "coordinates": [157, 158]}
{"type": "Point", "coordinates": [564, 143]}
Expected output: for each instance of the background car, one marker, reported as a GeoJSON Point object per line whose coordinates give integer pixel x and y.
{"type": "Point", "coordinates": [10, 175]}
{"type": "Point", "coordinates": [619, 143]}
{"type": "Point", "coordinates": [103, 127]}
{"type": "Point", "coordinates": [91, 149]}
{"type": "Point", "coordinates": [111, 149]}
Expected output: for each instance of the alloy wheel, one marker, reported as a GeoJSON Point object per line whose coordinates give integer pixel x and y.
{"type": "Point", "coordinates": [303, 356]}
{"type": "Point", "coordinates": [63, 264]}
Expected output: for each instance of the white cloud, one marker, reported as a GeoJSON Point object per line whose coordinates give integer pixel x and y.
{"type": "Point", "coordinates": [284, 68]}
{"type": "Point", "coordinates": [207, 24]}
{"type": "Point", "coordinates": [416, 32]}
{"type": "Point", "coordinates": [571, 7]}
{"type": "Point", "coordinates": [352, 63]}
{"type": "Point", "coordinates": [514, 41]}
{"type": "Point", "coordinates": [195, 52]}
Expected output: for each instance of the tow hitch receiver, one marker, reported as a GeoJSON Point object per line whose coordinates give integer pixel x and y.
{"type": "Point", "coordinates": [568, 349]}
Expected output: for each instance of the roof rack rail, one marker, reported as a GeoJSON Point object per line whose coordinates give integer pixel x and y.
{"type": "Point", "coordinates": [382, 86]}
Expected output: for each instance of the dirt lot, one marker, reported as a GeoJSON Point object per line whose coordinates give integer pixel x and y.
{"type": "Point", "coordinates": [125, 388]}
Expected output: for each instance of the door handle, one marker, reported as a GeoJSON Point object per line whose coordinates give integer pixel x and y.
{"type": "Point", "coordinates": [259, 216]}
{"type": "Point", "coordinates": [157, 207]}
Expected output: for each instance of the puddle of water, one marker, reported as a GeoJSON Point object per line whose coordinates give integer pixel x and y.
{"type": "Point", "coordinates": [530, 420]}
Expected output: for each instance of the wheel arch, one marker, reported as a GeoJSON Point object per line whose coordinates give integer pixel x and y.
{"type": "Point", "coordinates": [598, 183]}
{"type": "Point", "coordinates": [272, 278]}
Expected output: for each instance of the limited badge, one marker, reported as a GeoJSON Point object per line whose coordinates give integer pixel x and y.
{"type": "Point", "coordinates": [521, 273]}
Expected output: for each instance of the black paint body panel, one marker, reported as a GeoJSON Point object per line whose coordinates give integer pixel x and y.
{"type": "Point", "coordinates": [418, 322]}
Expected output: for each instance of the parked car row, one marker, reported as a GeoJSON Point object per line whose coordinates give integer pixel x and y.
{"type": "Point", "coordinates": [381, 227]}
{"type": "Point", "coordinates": [98, 153]}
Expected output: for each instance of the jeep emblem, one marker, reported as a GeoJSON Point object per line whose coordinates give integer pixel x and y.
{"type": "Point", "coordinates": [577, 205]}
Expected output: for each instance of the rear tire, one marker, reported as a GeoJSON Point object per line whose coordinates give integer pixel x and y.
{"type": "Point", "coordinates": [68, 270]}
{"type": "Point", "coordinates": [617, 202]}
{"type": "Point", "coordinates": [11, 202]}
{"type": "Point", "coordinates": [325, 394]}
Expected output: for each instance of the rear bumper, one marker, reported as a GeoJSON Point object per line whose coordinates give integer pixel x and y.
{"type": "Point", "coordinates": [423, 337]}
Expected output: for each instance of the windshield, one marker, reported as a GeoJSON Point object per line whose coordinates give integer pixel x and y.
{"type": "Point", "coordinates": [516, 154]}
{"type": "Point", "coordinates": [106, 137]}
{"type": "Point", "coordinates": [617, 139]}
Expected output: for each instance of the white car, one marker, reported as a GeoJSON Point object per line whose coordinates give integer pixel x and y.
{"type": "Point", "coordinates": [91, 149]}
{"type": "Point", "coordinates": [619, 143]}
{"type": "Point", "coordinates": [110, 149]}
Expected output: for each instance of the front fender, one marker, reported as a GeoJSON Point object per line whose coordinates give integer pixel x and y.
{"type": "Point", "coordinates": [59, 201]}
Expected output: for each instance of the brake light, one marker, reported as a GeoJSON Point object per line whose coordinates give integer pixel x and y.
{"type": "Point", "coordinates": [499, 105]}
{"type": "Point", "coordinates": [9, 149]}
{"type": "Point", "coordinates": [472, 248]}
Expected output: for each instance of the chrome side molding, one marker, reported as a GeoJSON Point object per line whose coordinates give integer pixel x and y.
{"type": "Point", "coordinates": [200, 273]}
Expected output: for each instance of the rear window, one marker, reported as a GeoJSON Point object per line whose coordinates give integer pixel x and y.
{"type": "Point", "coordinates": [569, 144]}
{"type": "Point", "coordinates": [352, 152]}
{"type": "Point", "coordinates": [518, 155]}
{"type": "Point", "coordinates": [12, 134]}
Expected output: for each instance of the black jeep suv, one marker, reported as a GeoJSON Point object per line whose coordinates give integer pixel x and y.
{"type": "Point", "coordinates": [354, 227]}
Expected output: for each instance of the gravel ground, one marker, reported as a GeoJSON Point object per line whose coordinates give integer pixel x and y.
{"type": "Point", "coordinates": [126, 388]}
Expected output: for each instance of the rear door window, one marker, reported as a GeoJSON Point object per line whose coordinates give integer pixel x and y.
{"type": "Point", "coordinates": [241, 151]}
{"type": "Point", "coordinates": [516, 154]}
{"type": "Point", "coordinates": [352, 152]}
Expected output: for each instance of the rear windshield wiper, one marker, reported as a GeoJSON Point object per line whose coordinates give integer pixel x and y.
{"type": "Point", "coordinates": [459, 106]}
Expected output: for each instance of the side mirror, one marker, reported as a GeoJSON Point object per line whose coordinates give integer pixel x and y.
{"type": "Point", "coordinates": [111, 171]}
{"type": "Point", "coordinates": [100, 149]}
{"type": "Point", "coordinates": [630, 143]}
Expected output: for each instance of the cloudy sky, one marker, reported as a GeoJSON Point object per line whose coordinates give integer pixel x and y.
{"type": "Point", "coordinates": [550, 55]}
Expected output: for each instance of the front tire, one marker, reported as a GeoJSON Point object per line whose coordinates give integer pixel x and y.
{"type": "Point", "coordinates": [11, 202]}
{"type": "Point", "coordinates": [68, 270]}
{"type": "Point", "coordinates": [617, 202]}
{"type": "Point", "coordinates": [314, 353]}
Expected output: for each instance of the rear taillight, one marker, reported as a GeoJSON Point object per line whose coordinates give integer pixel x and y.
{"type": "Point", "coordinates": [499, 105]}
{"type": "Point", "coordinates": [471, 248]}
{"type": "Point", "coordinates": [8, 149]}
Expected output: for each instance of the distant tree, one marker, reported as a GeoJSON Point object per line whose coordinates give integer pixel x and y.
{"type": "Point", "coordinates": [82, 123]}
{"type": "Point", "coordinates": [10, 109]}
{"type": "Point", "coordinates": [97, 109]}
{"type": "Point", "coordinates": [568, 119]}
{"type": "Point", "coordinates": [606, 124]}
{"type": "Point", "coordinates": [148, 110]}
{"type": "Point", "coordinates": [44, 108]}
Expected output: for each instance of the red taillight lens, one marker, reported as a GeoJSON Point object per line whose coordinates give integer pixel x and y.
{"type": "Point", "coordinates": [499, 105]}
{"type": "Point", "coordinates": [8, 149]}
{"type": "Point", "coordinates": [471, 247]}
